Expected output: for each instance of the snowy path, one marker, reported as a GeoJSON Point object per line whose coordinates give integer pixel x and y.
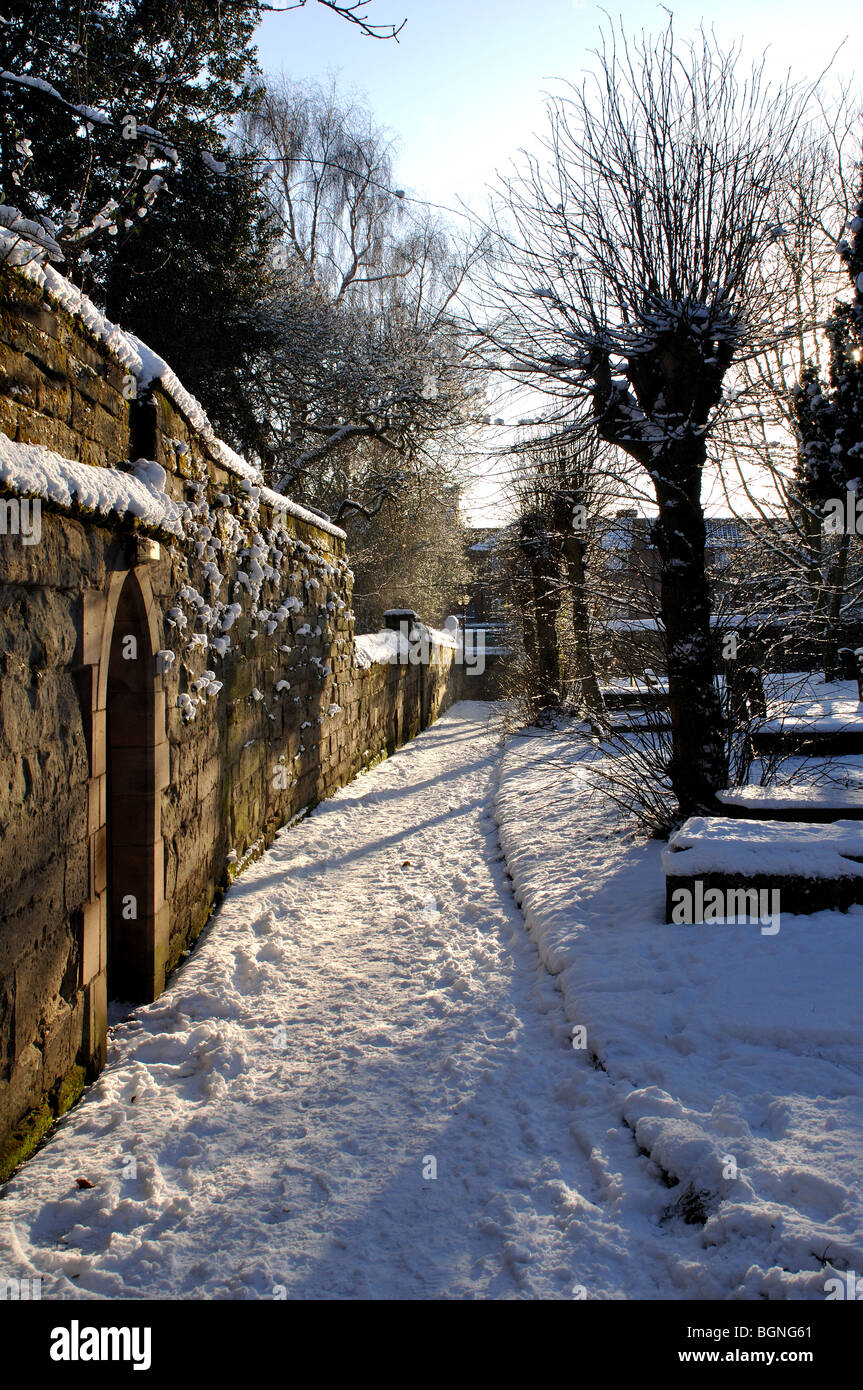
{"type": "Point", "coordinates": [367, 998]}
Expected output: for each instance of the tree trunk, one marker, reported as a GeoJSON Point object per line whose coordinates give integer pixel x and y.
{"type": "Point", "coordinates": [699, 764]}
{"type": "Point", "coordinates": [543, 560]}
{"type": "Point", "coordinates": [523, 590]}
{"type": "Point", "coordinates": [546, 600]}
{"type": "Point", "coordinates": [573, 554]}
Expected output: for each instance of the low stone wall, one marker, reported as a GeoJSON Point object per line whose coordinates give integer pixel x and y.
{"type": "Point", "coordinates": [179, 680]}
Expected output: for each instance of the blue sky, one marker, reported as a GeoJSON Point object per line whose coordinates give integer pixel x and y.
{"type": "Point", "coordinates": [462, 88]}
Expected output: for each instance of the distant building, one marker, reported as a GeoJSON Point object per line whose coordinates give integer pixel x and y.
{"type": "Point", "coordinates": [488, 584]}
{"type": "Point", "coordinates": [632, 562]}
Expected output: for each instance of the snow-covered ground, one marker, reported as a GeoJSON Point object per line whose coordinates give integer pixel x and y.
{"type": "Point", "coordinates": [367, 1000]}
{"type": "Point", "coordinates": [363, 1084]}
{"type": "Point", "coordinates": [736, 1056]}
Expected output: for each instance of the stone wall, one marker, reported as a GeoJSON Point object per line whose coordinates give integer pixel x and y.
{"type": "Point", "coordinates": [169, 697]}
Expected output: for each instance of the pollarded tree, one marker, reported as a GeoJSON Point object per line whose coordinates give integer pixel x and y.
{"type": "Point", "coordinates": [539, 543]}
{"type": "Point", "coordinates": [627, 281]}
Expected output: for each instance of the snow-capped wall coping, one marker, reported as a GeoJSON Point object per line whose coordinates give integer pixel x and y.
{"type": "Point", "coordinates": [278, 501]}
{"type": "Point", "coordinates": [439, 637]}
{"type": "Point", "coordinates": [383, 647]}
{"type": "Point", "coordinates": [146, 366]}
{"type": "Point", "coordinates": [390, 645]}
{"type": "Point", "coordinates": [32, 470]}
{"type": "Point", "coordinates": [765, 848]}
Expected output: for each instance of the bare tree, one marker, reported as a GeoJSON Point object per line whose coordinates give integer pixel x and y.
{"type": "Point", "coordinates": [628, 281]}
{"type": "Point", "coordinates": [411, 553]}
{"type": "Point", "coordinates": [354, 11]}
{"type": "Point", "coordinates": [331, 186]}
{"type": "Point", "coordinates": [539, 543]}
{"type": "Point", "coordinates": [375, 368]}
{"type": "Point", "coordinates": [564, 485]}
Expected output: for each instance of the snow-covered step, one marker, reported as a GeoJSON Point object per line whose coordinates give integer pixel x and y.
{"type": "Point", "coordinates": [809, 742]}
{"type": "Point", "coordinates": [801, 866]}
{"type": "Point", "coordinates": [817, 802]}
{"type": "Point", "coordinates": [638, 722]}
{"type": "Point", "coordinates": [832, 724]}
{"type": "Point", "coordinates": [616, 697]}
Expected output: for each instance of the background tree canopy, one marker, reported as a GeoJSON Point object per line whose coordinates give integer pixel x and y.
{"type": "Point", "coordinates": [251, 234]}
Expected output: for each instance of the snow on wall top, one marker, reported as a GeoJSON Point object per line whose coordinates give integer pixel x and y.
{"type": "Point", "coordinates": [147, 367]}
{"type": "Point", "coordinates": [386, 646]}
{"type": "Point", "coordinates": [36, 471]}
{"type": "Point", "coordinates": [389, 645]}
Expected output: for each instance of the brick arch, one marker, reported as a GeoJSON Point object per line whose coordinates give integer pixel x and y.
{"type": "Point", "coordinates": [126, 921]}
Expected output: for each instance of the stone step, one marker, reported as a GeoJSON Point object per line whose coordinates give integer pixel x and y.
{"type": "Point", "coordinates": [821, 727]}
{"type": "Point", "coordinates": [808, 742]}
{"type": "Point", "coordinates": [633, 697]}
{"type": "Point", "coordinates": [800, 867]}
{"type": "Point", "coordinates": [818, 803]}
{"type": "Point", "coordinates": [641, 726]}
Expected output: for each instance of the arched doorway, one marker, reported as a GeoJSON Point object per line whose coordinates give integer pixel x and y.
{"type": "Point", "coordinates": [136, 912]}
